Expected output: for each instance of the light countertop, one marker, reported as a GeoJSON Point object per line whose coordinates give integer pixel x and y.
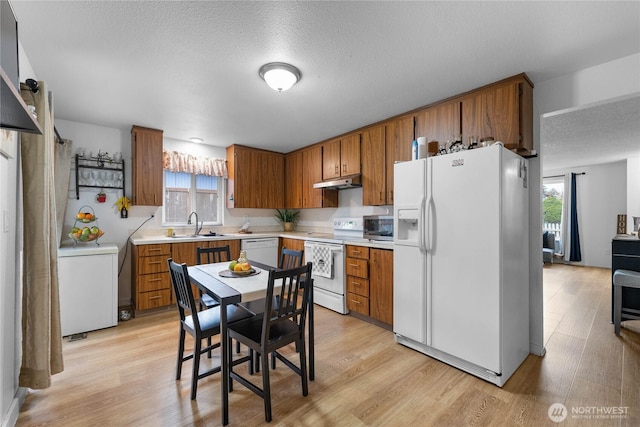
{"type": "Point", "coordinates": [300, 235]}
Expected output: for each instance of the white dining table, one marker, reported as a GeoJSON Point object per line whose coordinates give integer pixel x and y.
{"type": "Point", "coordinates": [232, 290]}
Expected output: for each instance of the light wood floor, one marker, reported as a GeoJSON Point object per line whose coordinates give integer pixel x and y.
{"type": "Point", "coordinates": [124, 376]}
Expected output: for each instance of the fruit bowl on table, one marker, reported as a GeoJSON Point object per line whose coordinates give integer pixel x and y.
{"type": "Point", "coordinates": [244, 272]}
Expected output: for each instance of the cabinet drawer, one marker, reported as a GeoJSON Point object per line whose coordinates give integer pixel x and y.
{"type": "Point", "coordinates": [154, 282]}
{"type": "Point", "coordinates": [157, 249]}
{"type": "Point", "coordinates": [361, 252]}
{"type": "Point", "coordinates": [358, 303]}
{"type": "Point", "coordinates": [628, 247]}
{"type": "Point", "coordinates": [357, 267]}
{"type": "Point", "coordinates": [154, 299]}
{"type": "Point", "coordinates": [153, 264]}
{"type": "Point", "coordinates": [358, 285]}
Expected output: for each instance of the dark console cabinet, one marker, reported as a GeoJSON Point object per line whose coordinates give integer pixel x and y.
{"type": "Point", "coordinates": [625, 254]}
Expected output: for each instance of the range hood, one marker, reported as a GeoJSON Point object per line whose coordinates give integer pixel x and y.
{"type": "Point", "coordinates": [352, 181]}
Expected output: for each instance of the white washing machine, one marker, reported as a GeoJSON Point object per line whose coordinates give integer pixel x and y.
{"type": "Point", "coordinates": [88, 279]}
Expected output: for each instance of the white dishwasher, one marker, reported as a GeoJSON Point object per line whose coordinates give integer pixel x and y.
{"type": "Point", "coordinates": [88, 279]}
{"type": "Point", "coordinates": [264, 250]}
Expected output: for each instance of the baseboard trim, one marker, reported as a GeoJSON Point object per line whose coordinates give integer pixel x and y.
{"type": "Point", "coordinates": [14, 408]}
{"type": "Point", "coordinates": [536, 349]}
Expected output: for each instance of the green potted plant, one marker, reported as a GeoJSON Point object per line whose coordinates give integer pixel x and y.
{"type": "Point", "coordinates": [288, 218]}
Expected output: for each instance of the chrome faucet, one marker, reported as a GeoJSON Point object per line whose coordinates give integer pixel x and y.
{"type": "Point", "coordinates": [189, 222]}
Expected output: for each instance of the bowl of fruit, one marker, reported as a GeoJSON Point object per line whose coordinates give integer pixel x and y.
{"type": "Point", "coordinates": [85, 217]}
{"type": "Point", "coordinates": [85, 234]}
{"type": "Point", "coordinates": [241, 268]}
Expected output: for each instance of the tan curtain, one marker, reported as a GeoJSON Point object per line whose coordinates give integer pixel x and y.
{"type": "Point", "coordinates": [175, 161]}
{"type": "Point", "coordinates": [41, 333]}
{"type": "Point", "coordinates": [62, 171]}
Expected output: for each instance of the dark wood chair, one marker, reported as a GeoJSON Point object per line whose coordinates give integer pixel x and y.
{"type": "Point", "coordinates": [289, 259]}
{"type": "Point", "coordinates": [276, 327]}
{"type": "Point", "coordinates": [200, 324]}
{"type": "Point", "coordinates": [209, 256]}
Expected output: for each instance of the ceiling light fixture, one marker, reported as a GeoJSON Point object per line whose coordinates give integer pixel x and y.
{"type": "Point", "coordinates": [196, 140]}
{"type": "Point", "coordinates": [280, 76]}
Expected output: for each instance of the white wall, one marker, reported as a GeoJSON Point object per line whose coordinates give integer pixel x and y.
{"type": "Point", "coordinates": [633, 191]}
{"type": "Point", "coordinates": [601, 197]}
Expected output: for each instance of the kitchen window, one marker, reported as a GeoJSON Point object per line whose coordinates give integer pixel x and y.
{"type": "Point", "coordinates": [186, 192]}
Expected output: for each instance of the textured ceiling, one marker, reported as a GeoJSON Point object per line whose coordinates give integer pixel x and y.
{"type": "Point", "coordinates": [191, 68]}
{"type": "Point", "coordinates": [602, 133]}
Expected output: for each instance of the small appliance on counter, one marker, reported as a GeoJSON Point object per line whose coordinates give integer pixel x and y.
{"type": "Point", "coordinates": [378, 227]}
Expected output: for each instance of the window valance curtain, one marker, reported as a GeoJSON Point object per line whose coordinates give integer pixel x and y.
{"type": "Point", "coordinates": [175, 161]}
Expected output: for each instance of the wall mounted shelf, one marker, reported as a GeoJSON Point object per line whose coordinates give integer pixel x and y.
{"type": "Point", "coordinates": [101, 173]}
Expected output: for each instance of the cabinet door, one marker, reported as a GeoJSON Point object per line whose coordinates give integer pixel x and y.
{"type": "Point", "coordinates": [255, 178]}
{"type": "Point", "coordinates": [350, 155]}
{"type": "Point", "coordinates": [271, 180]}
{"type": "Point", "coordinates": [473, 114]}
{"type": "Point", "coordinates": [440, 122]}
{"type": "Point", "coordinates": [294, 244]}
{"type": "Point", "coordinates": [146, 173]}
{"type": "Point", "coordinates": [243, 177]}
{"type": "Point", "coordinates": [374, 188]}
{"type": "Point", "coordinates": [293, 180]}
{"type": "Point", "coordinates": [185, 252]}
{"type": "Point", "coordinates": [312, 173]}
{"type": "Point", "coordinates": [398, 139]}
{"type": "Point", "coordinates": [493, 111]}
{"type": "Point", "coordinates": [330, 159]}
{"type": "Point", "coordinates": [502, 111]}
{"type": "Point", "coordinates": [381, 285]}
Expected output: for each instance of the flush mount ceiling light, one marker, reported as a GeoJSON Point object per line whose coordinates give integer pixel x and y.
{"type": "Point", "coordinates": [280, 76]}
{"type": "Point", "coordinates": [196, 140]}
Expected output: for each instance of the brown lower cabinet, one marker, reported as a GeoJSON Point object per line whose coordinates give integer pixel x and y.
{"type": "Point", "coordinates": [370, 282]}
{"type": "Point", "coordinates": [293, 244]}
{"type": "Point", "coordinates": [151, 284]}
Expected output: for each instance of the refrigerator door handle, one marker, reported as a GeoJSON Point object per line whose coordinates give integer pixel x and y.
{"type": "Point", "coordinates": [429, 225]}
{"type": "Point", "coordinates": [421, 226]}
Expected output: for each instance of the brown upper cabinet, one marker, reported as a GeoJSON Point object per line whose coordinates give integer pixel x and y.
{"type": "Point", "coordinates": [146, 169]}
{"type": "Point", "coordinates": [341, 157]}
{"type": "Point", "coordinates": [293, 180]}
{"type": "Point", "coordinates": [255, 178]}
{"type": "Point", "coordinates": [312, 173]}
{"type": "Point", "coordinates": [374, 183]}
{"type": "Point", "coordinates": [502, 111]}
{"type": "Point", "coordinates": [382, 146]}
{"type": "Point", "coordinates": [440, 122]}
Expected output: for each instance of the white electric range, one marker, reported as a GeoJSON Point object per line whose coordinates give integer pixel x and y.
{"type": "Point", "coordinates": [327, 253]}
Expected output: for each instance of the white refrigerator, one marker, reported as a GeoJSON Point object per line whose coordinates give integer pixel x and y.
{"type": "Point", "coordinates": [461, 269]}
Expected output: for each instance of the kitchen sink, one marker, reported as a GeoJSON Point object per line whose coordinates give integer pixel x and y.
{"type": "Point", "coordinates": [193, 236]}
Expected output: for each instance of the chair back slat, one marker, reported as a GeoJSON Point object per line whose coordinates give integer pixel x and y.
{"type": "Point", "coordinates": [182, 290]}
{"type": "Point", "coordinates": [293, 298]}
{"type": "Point", "coordinates": [290, 258]}
{"type": "Point", "coordinates": [211, 255]}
